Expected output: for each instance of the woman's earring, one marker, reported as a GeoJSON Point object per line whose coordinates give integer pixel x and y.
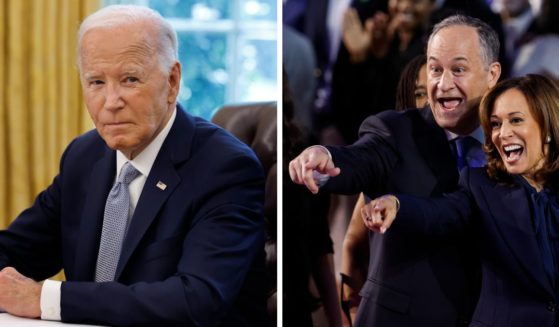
{"type": "Point", "coordinates": [548, 139]}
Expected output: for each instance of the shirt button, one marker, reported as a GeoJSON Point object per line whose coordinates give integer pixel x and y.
{"type": "Point", "coordinates": [551, 306]}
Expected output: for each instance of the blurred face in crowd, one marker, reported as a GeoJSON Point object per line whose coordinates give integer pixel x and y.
{"type": "Point", "coordinates": [457, 77]}
{"type": "Point", "coordinates": [411, 13]}
{"type": "Point", "coordinates": [420, 92]}
{"type": "Point", "coordinates": [513, 8]}
{"type": "Point", "coordinates": [516, 134]}
{"type": "Point", "coordinates": [129, 95]}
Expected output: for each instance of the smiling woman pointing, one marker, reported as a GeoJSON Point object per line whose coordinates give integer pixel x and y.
{"type": "Point", "coordinates": [510, 207]}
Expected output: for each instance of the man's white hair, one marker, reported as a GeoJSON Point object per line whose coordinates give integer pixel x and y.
{"type": "Point", "coordinates": [118, 15]}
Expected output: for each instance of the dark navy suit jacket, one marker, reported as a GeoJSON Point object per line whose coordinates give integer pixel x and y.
{"type": "Point", "coordinates": [412, 280]}
{"type": "Point", "coordinates": [193, 254]}
{"type": "Point", "coordinates": [515, 288]}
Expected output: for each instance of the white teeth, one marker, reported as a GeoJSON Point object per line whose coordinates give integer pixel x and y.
{"type": "Point", "coordinates": [512, 147]}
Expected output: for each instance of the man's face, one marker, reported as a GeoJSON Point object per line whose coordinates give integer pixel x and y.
{"type": "Point", "coordinates": [457, 77]}
{"type": "Point", "coordinates": [128, 96]}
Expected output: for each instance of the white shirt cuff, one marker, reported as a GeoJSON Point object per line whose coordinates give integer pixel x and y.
{"type": "Point", "coordinates": [50, 300]}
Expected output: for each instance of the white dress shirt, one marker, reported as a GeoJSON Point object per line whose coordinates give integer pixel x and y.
{"type": "Point", "coordinates": [50, 292]}
{"type": "Point", "coordinates": [476, 134]}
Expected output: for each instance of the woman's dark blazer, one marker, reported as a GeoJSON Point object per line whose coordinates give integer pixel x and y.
{"type": "Point", "coordinates": [515, 289]}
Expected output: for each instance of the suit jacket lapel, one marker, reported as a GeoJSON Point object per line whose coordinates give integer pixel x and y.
{"type": "Point", "coordinates": [175, 150]}
{"type": "Point", "coordinates": [510, 208]}
{"type": "Point", "coordinates": [433, 145]}
{"type": "Point", "coordinates": [150, 202]}
{"type": "Point", "coordinates": [100, 183]}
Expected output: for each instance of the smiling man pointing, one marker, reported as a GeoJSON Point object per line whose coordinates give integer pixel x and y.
{"type": "Point", "coordinates": [414, 280]}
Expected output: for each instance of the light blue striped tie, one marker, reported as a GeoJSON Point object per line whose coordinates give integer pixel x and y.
{"type": "Point", "coordinates": [115, 223]}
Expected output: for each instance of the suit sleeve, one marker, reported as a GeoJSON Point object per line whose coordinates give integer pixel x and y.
{"type": "Point", "coordinates": [438, 216]}
{"type": "Point", "coordinates": [31, 243]}
{"type": "Point", "coordinates": [366, 164]}
{"type": "Point", "coordinates": [226, 235]}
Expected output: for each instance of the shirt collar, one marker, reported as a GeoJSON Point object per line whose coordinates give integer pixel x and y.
{"type": "Point", "coordinates": [476, 134]}
{"type": "Point", "coordinates": [144, 161]}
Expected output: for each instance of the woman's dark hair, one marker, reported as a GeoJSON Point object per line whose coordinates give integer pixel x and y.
{"type": "Point", "coordinates": [542, 95]}
{"type": "Point", "coordinates": [405, 95]}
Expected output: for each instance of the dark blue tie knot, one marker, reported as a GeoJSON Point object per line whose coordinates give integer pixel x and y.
{"type": "Point", "coordinates": [467, 151]}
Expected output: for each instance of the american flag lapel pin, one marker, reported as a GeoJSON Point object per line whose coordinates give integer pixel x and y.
{"type": "Point", "coordinates": [162, 186]}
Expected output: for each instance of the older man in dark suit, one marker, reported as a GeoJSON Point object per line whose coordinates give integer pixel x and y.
{"type": "Point", "coordinates": [415, 281]}
{"type": "Point", "coordinates": [156, 216]}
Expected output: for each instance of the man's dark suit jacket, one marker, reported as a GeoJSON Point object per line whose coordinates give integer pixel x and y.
{"type": "Point", "coordinates": [193, 254]}
{"type": "Point", "coordinates": [412, 280]}
{"type": "Point", "coordinates": [515, 288]}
